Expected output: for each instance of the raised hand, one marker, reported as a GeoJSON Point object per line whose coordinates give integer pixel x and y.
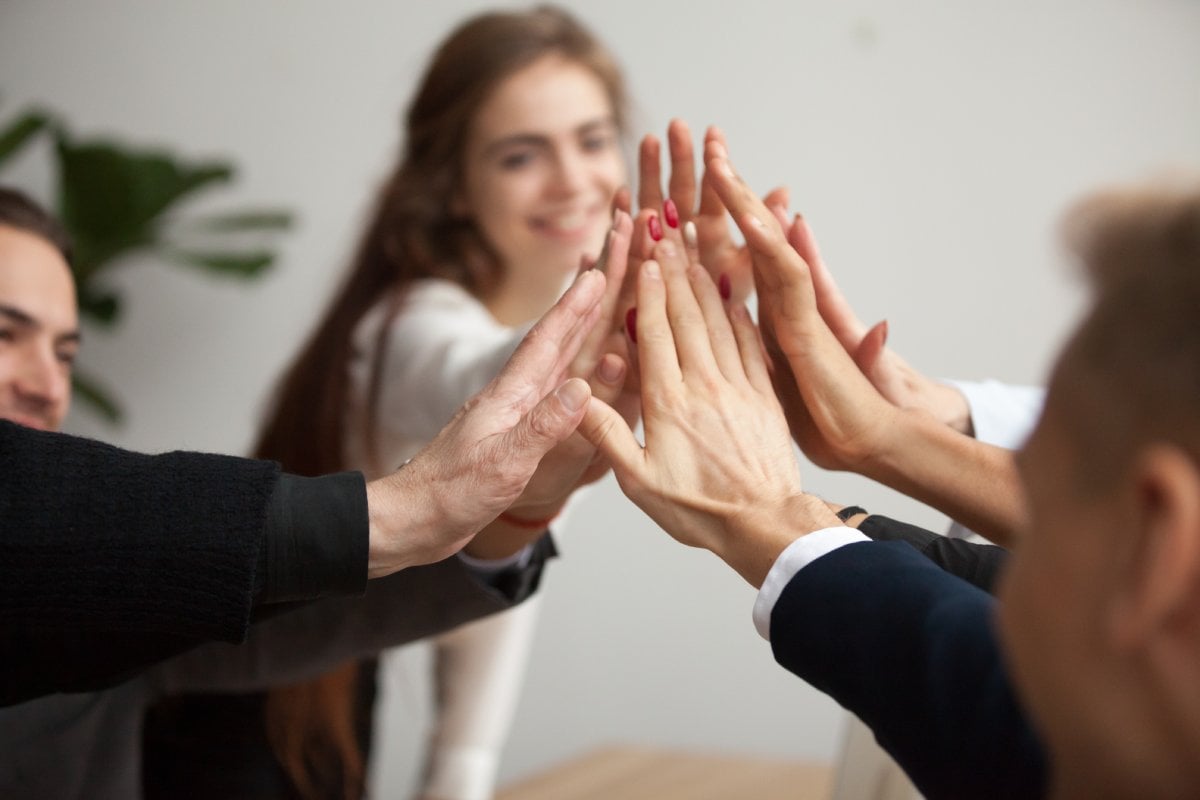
{"type": "Point", "coordinates": [717, 470]}
{"type": "Point", "coordinates": [727, 262]}
{"type": "Point", "coordinates": [837, 416]}
{"type": "Point", "coordinates": [887, 371]}
{"type": "Point", "coordinates": [482, 460]}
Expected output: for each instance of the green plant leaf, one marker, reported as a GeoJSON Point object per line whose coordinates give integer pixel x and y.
{"type": "Point", "coordinates": [112, 199]}
{"type": "Point", "coordinates": [243, 221]}
{"type": "Point", "coordinates": [241, 265]}
{"type": "Point", "coordinates": [91, 393]}
{"type": "Point", "coordinates": [18, 134]}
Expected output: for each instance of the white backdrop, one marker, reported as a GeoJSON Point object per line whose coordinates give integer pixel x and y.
{"type": "Point", "coordinates": [932, 145]}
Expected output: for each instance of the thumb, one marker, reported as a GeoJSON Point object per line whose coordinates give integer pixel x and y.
{"type": "Point", "coordinates": [869, 353]}
{"type": "Point", "coordinates": [549, 422]}
{"type": "Point", "coordinates": [610, 434]}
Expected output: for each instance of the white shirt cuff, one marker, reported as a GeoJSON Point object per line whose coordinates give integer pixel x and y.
{"type": "Point", "coordinates": [490, 567]}
{"type": "Point", "coordinates": [798, 555]}
{"type": "Point", "coordinates": [1001, 414]}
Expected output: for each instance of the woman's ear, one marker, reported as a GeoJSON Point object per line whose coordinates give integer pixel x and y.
{"type": "Point", "coordinates": [1161, 580]}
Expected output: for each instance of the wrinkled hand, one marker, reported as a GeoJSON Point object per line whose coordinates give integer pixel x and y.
{"type": "Point", "coordinates": [717, 453]}
{"type": "Point", "coordinates": [482, 460]}
{"type": "Point", "coordinates": [836, 415]}
{"type": "Point", "coordinates": [602, 361]}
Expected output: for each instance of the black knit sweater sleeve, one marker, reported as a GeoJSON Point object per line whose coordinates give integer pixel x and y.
{"type": "Point", "coordinates": [109, 559]}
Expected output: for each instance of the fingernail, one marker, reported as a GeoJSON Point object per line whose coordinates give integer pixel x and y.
{"type": "Point", "coordinates": [725, 286]}
{"type": "Point", "coordinates": [650, 270]}
{"type": "Point", "coordinates": [689, 234]}
{"type": "Point", "coordinates": [725, 167]}
{"type": "Point", "coordinates": [610, 369]}
{"type": "Point", "coordinates": [573, 394]}
{"type": "Point", "coordinates": [655, 228]}
{"type": "Point", "coordinates": [884, 331]}
{"type": "Point", "coordinates": [671, 213]}
{"type": "Point", "coordinates": [631, 324]}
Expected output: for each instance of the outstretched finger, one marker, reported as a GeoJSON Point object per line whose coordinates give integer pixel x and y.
{"type": "Point", "coordinates": [682, 183]}
{"type": "Point", "coordinates": [542, 358]}
{"type": "Point", "coordinates": [688, 328]}
{"type": "Point", "coordinates": [751, 349]}
{"type": "Point", "coordinates": [611, 435]}
{"type": "Point", "coordinates": [722, 344]}
{"type": "Point", "coordinates": [834, 308]}
{"type": "Point", "coordinates": [650, 173]}
{"type": "Point", "coordinates": [656, 354]}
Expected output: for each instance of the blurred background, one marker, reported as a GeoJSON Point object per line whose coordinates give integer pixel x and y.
{"type": "Point", "coordinates": [932, 145]}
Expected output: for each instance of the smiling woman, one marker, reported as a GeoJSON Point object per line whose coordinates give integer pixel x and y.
{"type": "Point", "coordinates": [510, 162]}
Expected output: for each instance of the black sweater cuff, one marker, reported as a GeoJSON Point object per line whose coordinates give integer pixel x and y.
{"type": "Point", "coordinates": [315, 543]}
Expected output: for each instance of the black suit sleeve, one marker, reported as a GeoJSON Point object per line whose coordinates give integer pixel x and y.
{"type": "Point", "coordinates": [978, 564]}
{"type": "Point", "coordinates": [911, 650]}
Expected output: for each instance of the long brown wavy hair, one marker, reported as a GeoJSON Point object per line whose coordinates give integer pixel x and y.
{"type": "Point", "coordinates": [412, 234]}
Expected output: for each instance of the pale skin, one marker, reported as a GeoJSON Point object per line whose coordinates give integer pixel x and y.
{"type": "Point", "coordinates": [838, 417]}
{"type": "Point", "coordinates": [39, 330]}
{"type": "Point", "coordinates": [717, 470]}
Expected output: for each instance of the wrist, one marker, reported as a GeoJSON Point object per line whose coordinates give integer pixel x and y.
{"type": "Point", "coordinates": [953, 408]}
{"type": "Point", "coordinates": [758, 537]}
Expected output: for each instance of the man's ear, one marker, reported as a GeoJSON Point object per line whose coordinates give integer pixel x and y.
{"type": "Point", "coordinates": [1162, 577]}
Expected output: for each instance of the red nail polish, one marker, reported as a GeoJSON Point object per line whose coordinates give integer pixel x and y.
{"type": "Point", "coordinates": [671, 213]}
{"type": "Point", "coordinates": [631, 324]}
{"type": "Point", "coordinates": [725, 286]}
{"type": "Point", "coordinates": [655, 228]}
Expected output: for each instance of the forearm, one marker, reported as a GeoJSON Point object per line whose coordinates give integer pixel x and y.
{"type": "Point", "coordinates": [972, 482]}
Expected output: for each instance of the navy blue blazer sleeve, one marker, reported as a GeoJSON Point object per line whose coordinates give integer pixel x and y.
{"type": "Point", "coordinates": [912, 651]}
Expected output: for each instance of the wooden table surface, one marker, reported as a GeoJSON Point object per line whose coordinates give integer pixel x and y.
{"type": "Point", "coordinates": [643, 773]}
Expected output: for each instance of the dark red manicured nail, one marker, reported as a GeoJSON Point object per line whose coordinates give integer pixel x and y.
{"type": "Point", "coordinates": [655, 228]}
{"type": "Point", "coordinates": [725, 286]}
{"type": "Point", "coordinates": [631, 324]}
{"type": "Point", "coordinates": [671, 213]}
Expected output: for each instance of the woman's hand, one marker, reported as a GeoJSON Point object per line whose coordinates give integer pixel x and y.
{"type": "Point", "coordinates": [888, 372]}
{"type": "Point", "coordinates": [837, 416]}
{"type": "Point", "coordinates": [727, 263]}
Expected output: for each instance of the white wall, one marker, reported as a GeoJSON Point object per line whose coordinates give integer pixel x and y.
{"type": "Point", "coordinates": [931, 144]}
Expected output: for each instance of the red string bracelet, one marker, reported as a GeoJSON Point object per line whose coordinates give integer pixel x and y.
{"type": "Point", "coordinates": [528, 524]}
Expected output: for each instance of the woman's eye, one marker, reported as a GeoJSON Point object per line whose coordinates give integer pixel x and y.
{"type": "Point", "coordinates": [516, 160]}
{"type": "Point", "coordinates": [6, 335]}
{"type": "Point", "coordinates": [66, 358]}
{"type": "Point", "coordinates": [595, 144]}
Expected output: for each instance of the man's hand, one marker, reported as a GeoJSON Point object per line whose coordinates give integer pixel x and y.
{"type": "Point", "coordinates": [483, 459]}
{"type": "Point", "coordinates": [717, 470]}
